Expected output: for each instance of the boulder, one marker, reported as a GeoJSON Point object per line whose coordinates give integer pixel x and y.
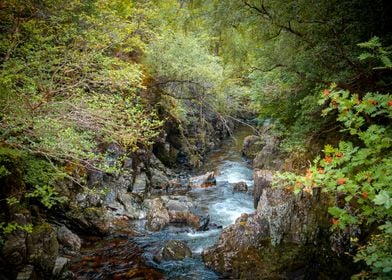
{"type": "Point", "coordinates": [240, 187]}
{"type": "Point", "coordinates": [178, 203]}
{"type": "Point", "coordinates": [157, 215]}
{"type": "Point", "coordinates": [174, 250]}
{"type": "Point", "coordinates": [203, 181]}
{"type": "Point", "coordinates": [252, 145]}
{"type": "Point", "coordinates": [274, 242]}
{"type": "Point", "coordinates": [184, 217]}
{"type": "Point", "coordinates": [68, 239]}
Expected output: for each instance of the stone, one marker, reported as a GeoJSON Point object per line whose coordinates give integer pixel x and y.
{"type": "Point", "coordinates": [269, 157]}
{"type": "Point", "coordinates": [59, 266]}
{"type": "Point", "coordinates": [159, 180]}
{"type": "Point", "coordinates": [157, 215]}
{"type": "Point", "coordinates": [140, 183]}
{"type": "Point", "coordinates": [69, 239]}
{"type": "Point", "coordinates": [184, 217]}
{"type": "Point", "coordinates": [178, 203]}
{"type": "Point", "coordinates": [14, 249]}
{"type": "Point", "coordinates": [262, 181]}
{"type": "Point", "coordinates": [240, 187]}
{"type": "Point", "coordinates": [203, 181]}
{"type": "Point", "coordinates": [276, 241]}
{"type": "Point", "coordinates": [43, 248]}
{"type": "Point", "coordinates": [174, 250]}
{"type": "Point", "coordinates": [27, 273]}
{"type": "Point", "coordinates": [252, 145]}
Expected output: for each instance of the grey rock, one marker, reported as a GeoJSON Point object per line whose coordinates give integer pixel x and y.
{"type": "Point", "coordinates": [203, 181]}
{"type": "Point", "coordinates": [59, 266]}
{"type": "Point", "coordinates": [262, 181]}
{"type": "Point", "coordinates": [273, 239]}
{"type": "Point", "coordinates": [157, 215]}
{"type": "Point", "coordinates": [159, 180]}
{"type": "Point", "coordinates": [174, 250]}
{"type": "Point", "coordinates": [252, 145]}
{"type": "Point", "coordinates": [69, 239]}
{"type": "Point", "coordinates": [240, 187]}
{"type": "Point", "coordinates": [27, 273]}
{"type": "Point", "coordinates": [140, 184]}
{"type": "Point", "coordinates": [43, 247]}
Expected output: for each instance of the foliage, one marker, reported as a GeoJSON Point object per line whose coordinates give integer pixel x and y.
{"type": "Point", "coordinates": [69, 80]}
{"type": "Point", "coordinates": [358, 171]}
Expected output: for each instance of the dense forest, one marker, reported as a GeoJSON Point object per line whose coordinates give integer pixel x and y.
{"type": "Point", "coordinates": [97, 96]}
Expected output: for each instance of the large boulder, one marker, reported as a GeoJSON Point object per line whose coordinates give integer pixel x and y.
{"type": "Point", "coordinates": [157, 215]}
{"type": "Point", "coordinates": [174, 250]}
{"type": "Point", "coordinates": [276, 242]}
{"type": "Point", "coordinates": [252, 145]}
{"type": "Point", "coordinates": [203, 181]}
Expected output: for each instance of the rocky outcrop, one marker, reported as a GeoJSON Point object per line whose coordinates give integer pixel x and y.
{"type": "Point", "coordinates": [240, 187]}
{"type": "Point", "coordinates": [262, 181]}
{"type": "Point", "coordinates": [263, 150]}
{"type": "Point", "coordinates": [69, 240]}
{"type": "Point", "coordinates": [252, 145]}
{"type": "Point", "coordinates": [203, 181]}
{"type": "Point", "coordinates": [276, 242]}
{"type": "Point", "coordinates": [174, 250]}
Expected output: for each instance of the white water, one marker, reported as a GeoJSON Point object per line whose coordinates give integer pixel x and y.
{"type": "Point", "coordinates": [219, 202]}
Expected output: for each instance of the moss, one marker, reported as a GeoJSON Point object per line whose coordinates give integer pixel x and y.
{"type": "Point", "coordinates": [43, 227]}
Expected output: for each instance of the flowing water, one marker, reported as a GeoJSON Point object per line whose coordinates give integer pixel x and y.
{"type": "Point", "coordinates": [219, 202]}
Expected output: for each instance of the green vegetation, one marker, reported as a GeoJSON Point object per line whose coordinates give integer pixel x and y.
{"type": "Point", "coordinates": [78, 76]}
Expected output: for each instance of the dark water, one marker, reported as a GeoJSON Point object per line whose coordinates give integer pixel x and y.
{"type": "Point", "coordinates": [132, 257]}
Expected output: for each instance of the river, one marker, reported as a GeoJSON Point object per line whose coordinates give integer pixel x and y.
{"type": "Point", "coordinates": [132, 257]}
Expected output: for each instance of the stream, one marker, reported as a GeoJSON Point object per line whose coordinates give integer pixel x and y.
{"type": "Point", "coordinates": [122, 257]}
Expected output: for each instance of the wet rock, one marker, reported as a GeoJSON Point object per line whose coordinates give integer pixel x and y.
{"type": "Point", "coordinates": [27, 273]}
{"type": "Point", "coordinates": [184, 217]}
{"type": "Point", "coordinates": [262, 181]}
{"type": "Point", "coordinates": [178, 203]}
{"type": "Point", "coordinates": [43, 248]}
{"type": "Point", "coordinates": [157, 215]}
{"type": "Point", "coordinates": [174, 250]}
{"type": "Point", "coordinates": [203, 181]}
{"type": "Point", "coordinates": [252, 146]}
{"type": "Point", "coordinates": [131, 205]}
{"type": "Point", "coordinates": [59, 266]}
{"type": "Point", "coordinates": [69, 239]}
{"type": "Point", "coordinates": [272, 243]}
{"type": "Point", "coordinates": [205, 222]}
{"type": "Point", "coordinates": [240, 187]}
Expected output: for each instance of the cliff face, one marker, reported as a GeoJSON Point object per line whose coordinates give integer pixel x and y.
{"type": "Point", "coordinates": [283, 239]}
